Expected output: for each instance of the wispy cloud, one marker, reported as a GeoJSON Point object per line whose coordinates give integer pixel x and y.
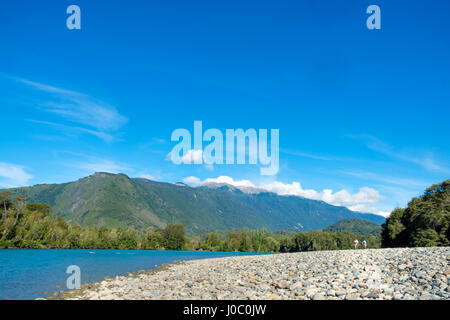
{"type": "Point", "coordinates": [89, 164]}
{"type": "Point", "coordinates": [44, 87]}
{"type": "Point", "coordinates": [99, 134]}
{"type": "Point", "coordinates": [154, 141]}
{"type": "Point", "coordinates": [12, 175]}
{"type": "Point", "coordinates": [422, 159]}
{"type": "Point", "coordinates": [87, 114]}
{"type": "Point", "coordinates": [386, 179]}
{"type": "Point", "coordinates": [155, 145]}
{"type": "Point", "coordinates": [101, 165]}
{"type": "Point", "coordinates": [308, 155]}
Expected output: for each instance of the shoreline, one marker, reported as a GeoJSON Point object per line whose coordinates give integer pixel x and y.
{"type": "Point", "coordinates": [36, 273]}
{"type": "Point", "coordinates": [381, 274]}
{"type": "Point", "coordinates": [67, 294]}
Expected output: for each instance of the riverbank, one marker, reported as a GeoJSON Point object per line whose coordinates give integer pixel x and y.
{"type": "Point", "coordinates": [34, 273]}
{"type": "Point", "coordinates": [400, 273]}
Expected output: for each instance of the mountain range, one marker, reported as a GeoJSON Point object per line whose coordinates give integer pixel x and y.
{"type": "Point", "coordinates": [115, 200]}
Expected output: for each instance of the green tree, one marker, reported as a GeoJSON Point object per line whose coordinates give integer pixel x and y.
{"type": "Point", "coordinates": [19, 200]}
{"type": "Point", "coordinates": [195, 243]}
{"type": "Point", "coordinates": [392, 230]}
{"type": "Point", "coordinates": [5, 201]}
{"type": "Point", "coordinates": [212, 242]}
{"type": "Point", "coordinates": [173, 237]}
{"type": "Point", "coordinates": [152, 240]}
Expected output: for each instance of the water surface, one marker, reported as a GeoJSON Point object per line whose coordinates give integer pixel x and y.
{"type": "Point", "coordinates": [33, 273]}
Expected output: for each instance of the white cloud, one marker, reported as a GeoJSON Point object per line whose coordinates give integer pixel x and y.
{"type": "Point", "coordinates": [100, 117]}
{"type": "Point", "coordinates": [12, 175]}
{"type": "Point", "coordinates": [193, 156]}
{"type": "Point", "coordinates": [231, 181]}
{"type": "Point", "coordinates": [190, 157]}
{"type": "Point", "coordinates": [363, 201]}
{"type": "Point", "coordinates": [192, 181]}
{"type": "Point", "coordinates": [222, 179]}
{"type": "Point", "coordinates": [147, 176]}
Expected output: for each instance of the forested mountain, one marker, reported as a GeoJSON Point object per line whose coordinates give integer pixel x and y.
{"type": "Point", "coordinates": [115, 200]}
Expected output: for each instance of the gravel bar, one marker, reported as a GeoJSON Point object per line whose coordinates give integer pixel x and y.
{"type": "Point", "coordinates": [386, 274]}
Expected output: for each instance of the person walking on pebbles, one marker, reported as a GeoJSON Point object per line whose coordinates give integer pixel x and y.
{"type": "Point", "coordinates": [355, 243]}
{"type": "Point", "coordinates": [364, 243]}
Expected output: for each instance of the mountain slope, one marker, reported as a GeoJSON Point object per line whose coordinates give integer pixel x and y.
{"type": "Point", "coordinates": [116, 200]}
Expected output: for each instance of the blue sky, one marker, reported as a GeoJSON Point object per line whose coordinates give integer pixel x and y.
{"type": "Point", "coordinates": [363, 114]}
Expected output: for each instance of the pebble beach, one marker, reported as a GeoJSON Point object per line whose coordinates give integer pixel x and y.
{"type": "Point", "coordinates": [380, 274]}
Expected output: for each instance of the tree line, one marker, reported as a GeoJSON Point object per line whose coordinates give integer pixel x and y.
{"type": "Point", "coordinates": [33, 226]}
{"type": "Point", "coordinates": [424, 222]}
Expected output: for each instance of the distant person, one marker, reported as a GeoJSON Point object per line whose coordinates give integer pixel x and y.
{"type": "Point", "coordinates": [355, 243]}
{"type": "Point", "coordinates": [364, 243]}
